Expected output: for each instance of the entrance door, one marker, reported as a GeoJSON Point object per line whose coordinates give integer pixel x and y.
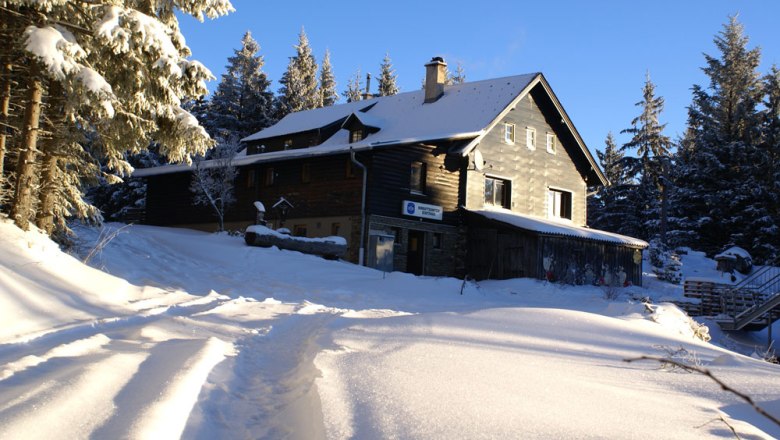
{"type": "Point", "coordinates": [415, 252]}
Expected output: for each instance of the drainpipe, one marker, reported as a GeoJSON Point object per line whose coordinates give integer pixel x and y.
{"type": "Point", "coordinates": [362, 252]}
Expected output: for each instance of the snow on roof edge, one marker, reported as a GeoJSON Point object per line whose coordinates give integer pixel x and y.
{"type": "Point", "coordinates": [551, 227]}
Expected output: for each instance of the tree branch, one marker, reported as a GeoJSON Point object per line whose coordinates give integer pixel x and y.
{"type": "Point", "coordinates": [708, 373]}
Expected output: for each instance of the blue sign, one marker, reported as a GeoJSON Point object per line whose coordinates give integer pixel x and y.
{"type": "Point", "coordinates": [410, 208]}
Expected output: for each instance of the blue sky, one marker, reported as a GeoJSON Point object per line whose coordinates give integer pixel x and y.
{"type": "Point", "coordinates": [595, 54]}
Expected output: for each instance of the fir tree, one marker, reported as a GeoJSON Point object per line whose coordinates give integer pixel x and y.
{"type": "Point", "coordinates": [719, 191]}
{"type": "Point", "coordinates": [387, 78]}
{"type": "Point", "coordinates": [652, 148]}
{"type": "Point", "coordinates": [327, 82]}
{"type": "Point", "coordinates": [613, 207]}
{"type": "Point", "coordinates": [354, 90]}
{"type": "Point", "coordinates": [299, 82]}
{"type": "Point", "coordinates": [459, 77]}
{"type": "Point", "coordinates": [242, 104]}
{"type": "Point", "coordinates": [103, 80]}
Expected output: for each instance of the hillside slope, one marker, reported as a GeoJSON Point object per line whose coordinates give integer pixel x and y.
{"type": "Point", "coordinates": [187, 334]}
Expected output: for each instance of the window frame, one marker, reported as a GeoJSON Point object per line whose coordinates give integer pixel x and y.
{"type": "Point", "coordinates": [510, 131]}
{"type": "Point", "coordinates": [306, 172]}
{"type": "Point", "coordinates": [551, 141]}
{"type": "Point", "coordinates": [269, 177]}
{"type": "Point", "coordinates": [419, 185]}
{"type": "Point", "coordinates": [356, 135]}
{"type": "Point", "coordinates": [560, 204]}
{"type": "Point", "coordinates": [506, 192]}
{"type": "Point", "coordinates": [530, 138]}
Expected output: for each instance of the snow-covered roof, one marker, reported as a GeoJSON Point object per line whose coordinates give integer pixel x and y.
{"type": "Point", "coordinates": [464, 108]}
{"type": "Point", "coordinates": [552, 227]}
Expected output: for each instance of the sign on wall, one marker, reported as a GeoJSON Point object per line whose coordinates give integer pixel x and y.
{"type": "Point", "coordinates": [422, 210]}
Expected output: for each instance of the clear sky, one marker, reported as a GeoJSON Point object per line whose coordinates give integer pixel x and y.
{"type": "Point", "coordinates": [594, 53]}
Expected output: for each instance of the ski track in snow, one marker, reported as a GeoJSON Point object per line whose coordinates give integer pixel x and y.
{"type": "Point", "coordinates": [225, 341]}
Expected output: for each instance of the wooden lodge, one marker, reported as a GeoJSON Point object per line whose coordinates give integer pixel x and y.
{"type": "Point", "coordinates": [485, 179]}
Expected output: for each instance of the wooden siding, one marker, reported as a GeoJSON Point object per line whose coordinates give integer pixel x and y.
{"type": "Point", "coordinates": [532, 172]}
{"type": "Point", "coordinates": [499, 251]}
{"type": "Point", "coordinates": [329, 192]}
{"type": "Point", "coordinates": [389, 181]}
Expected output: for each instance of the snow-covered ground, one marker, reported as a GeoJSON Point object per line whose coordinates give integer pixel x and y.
{"type": "Point", "coordinates": [177, 333]}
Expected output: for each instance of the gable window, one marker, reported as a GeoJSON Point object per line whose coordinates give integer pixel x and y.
{"type": "Point", "coordinates": [497, 192]}
{"type": "Point", "coordinates": [305, 172]}
{"type": "Point", "coordinates": [509, 133]}
{"type": "Point", "coordinates": [559, 204]}
{"type": "Point", "coordinates": [355, 135]}
{"type": "Point", "coordinates": [551, 141]}
{"type": "Point", "coordinates": [417, 178]}
{"type": "Point", "coordinates": [530, 138]}
{"type": "Point", "coordinates": [269, 176]}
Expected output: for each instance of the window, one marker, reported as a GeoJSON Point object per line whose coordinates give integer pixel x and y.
{"type": "Point", "coordinates": [250, 178]}
{"type": "Point", "coordinates": [287, 144]}
{"type": "Point", "coordinates": [299, 230]}
{"type": "Point", "coordinates": [497, 192]}
{"type": "Point", "coordinates": [305, 172]}
{"type": "Point", "coordinates": [335, 227]}
{"type": "Point", "coordinates": [356, 135]}
{"type": "Point", "coordinates": [417, 179]}
{"type": "Point", "coordinates": [269, 176]}
{"type": "Point", "coordinates": [551, 143]}
{"type": "Point", "coordinates": [436, 239]}
{"type": "Point", "coordinates": [530, 138]}
{"type": "Point", "coordinates": [509, 133]}
{"type": "Point", "coordinates": [558, 204]}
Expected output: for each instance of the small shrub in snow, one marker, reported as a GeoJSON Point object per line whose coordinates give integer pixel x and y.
{"type": "Point", "coordinates": [666, 263]}
{"type": "Point", "coordinates": [679, 355]}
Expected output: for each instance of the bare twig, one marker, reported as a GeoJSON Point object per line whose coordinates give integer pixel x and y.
{"type": "Point", "coordinates": [708, 373]}
{"type": "Point", "coordinates": [721, 419]}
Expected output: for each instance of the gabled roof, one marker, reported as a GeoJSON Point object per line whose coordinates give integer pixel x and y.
{"type": "Point", "coordinates": [561, 228]}
{"type": "Point", "coordinates": [464, 112]}
{"type": "Point", "coordinates": [464, 109]}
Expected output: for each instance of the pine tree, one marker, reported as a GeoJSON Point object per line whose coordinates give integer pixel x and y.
{"type": "Point", "coordinates": [354, 90]}
{"type": "Point", "coordinates": [327, 82]}
{"type": "Point", "coordinates": [613, 208]}
{"type": "Point", "coordinates": [459, 77]}
{"type": "Point", "coordinates": [102, 80]}
{"type": "Point", "coordinates": [718, 187]}
{"type": "Point", "coordinates": [387, 78]}
{"type": "Point", "coordinates": [242, 104]}
{"type": "Point", "coordinates": [299, 82]}
{"type": "Point", "coordinates": [652, 148]}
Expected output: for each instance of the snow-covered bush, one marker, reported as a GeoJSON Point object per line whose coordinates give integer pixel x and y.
{"type": "Point", "coordinates": [666, 263]}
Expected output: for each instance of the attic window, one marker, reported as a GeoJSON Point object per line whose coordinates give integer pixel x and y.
{"type": "Point", "coordinates": [551, 143]}
{"type": "Point", "coordinates": [355, 135]}
{"type": "Point", "coordinates": [530, 138]}
{"type": "Point", "coordinates": [509, 133]}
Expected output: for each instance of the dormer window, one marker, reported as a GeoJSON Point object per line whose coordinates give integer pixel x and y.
{"type": "Point", "coordinates": [356, 135]}
{"type": "Point", "coordinates": [287, 144]}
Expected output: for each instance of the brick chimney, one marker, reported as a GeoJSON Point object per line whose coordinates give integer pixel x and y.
{"type": "Point", "coordinates": [435, 73]}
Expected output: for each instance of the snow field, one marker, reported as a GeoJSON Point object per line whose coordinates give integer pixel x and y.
{"type": "Point", "coordinates": [194, 335]}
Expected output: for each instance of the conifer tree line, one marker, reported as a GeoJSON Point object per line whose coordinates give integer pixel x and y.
{"type": "Point", "coordinates": [719, 184]}
{"type": "Point", "coordinates": [85, 85]}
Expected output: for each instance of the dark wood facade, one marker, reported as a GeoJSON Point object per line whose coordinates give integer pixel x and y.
{"type": "Point", "coordinates": [325, 192]}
